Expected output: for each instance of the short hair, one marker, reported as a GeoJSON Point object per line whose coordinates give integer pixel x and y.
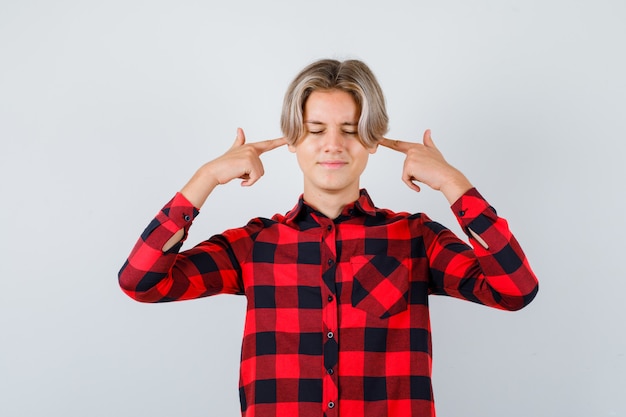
{"type": "Point", "coordinates": [351, 76]}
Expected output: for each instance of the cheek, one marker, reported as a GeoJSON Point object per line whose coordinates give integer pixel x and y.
{"type": "Point", "coordinates": [363, 161]}
{"type": "Point", "coordinates": [361, 154]}
{"type": "Point", "coordinates": [304, 159]}
{"type": "Point", "coordinates": [306, 151]}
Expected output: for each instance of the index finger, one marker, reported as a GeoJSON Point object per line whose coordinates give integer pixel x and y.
{"type": "Point", "coordinates": [396, 145]}
{"type": "Point", "coordinates": [268, 145]}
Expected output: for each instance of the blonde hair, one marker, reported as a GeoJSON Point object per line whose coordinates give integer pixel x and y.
{"type": "Point", "coordinates": [351, 76]}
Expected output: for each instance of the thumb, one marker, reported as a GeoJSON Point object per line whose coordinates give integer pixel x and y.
{"type": "Point", "coordinates": [240, 139]}
{"type": "Point", "coordinates": [428, 140]}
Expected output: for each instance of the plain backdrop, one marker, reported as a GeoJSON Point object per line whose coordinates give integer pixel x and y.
{"type": "Point", "coordinates": [108, 107]}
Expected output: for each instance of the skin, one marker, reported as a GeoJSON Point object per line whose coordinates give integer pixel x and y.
{"type": "Point", "coordinates": [424, 163]}
{"type": "Point", "coordinates": [331, 158]}
{"type": "Point", "coordinates": [330, 155]}
{"type": "Point", "coordinates": [242, 160]}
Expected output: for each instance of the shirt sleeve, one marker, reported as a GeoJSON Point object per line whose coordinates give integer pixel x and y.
{"type": "Point", "coordinates": [494, 271]}
{"type": "Point", "coordinates": [152, 275]}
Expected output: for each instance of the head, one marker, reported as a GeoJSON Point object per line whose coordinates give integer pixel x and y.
{"type": "Point", "coordinates": [352, 77]}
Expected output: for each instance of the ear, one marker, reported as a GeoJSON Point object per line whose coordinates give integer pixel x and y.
{"type": "Point", "coordinates": [373, 149]}
{"type": "Point", "coordinates": [292, 148]}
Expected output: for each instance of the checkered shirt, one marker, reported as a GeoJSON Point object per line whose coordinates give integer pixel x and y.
{"type": "Point", "coordinates": [337, 320]}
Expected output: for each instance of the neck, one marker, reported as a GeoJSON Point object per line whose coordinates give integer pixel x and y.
{"type": "Point", "coordinates": [330, 204]}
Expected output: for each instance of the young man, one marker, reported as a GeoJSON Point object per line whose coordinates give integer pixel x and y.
{"type": "Point", "coordinates": [337, 321]}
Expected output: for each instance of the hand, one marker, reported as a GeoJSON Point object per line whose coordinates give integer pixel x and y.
{"type": "Point", "coordinates": [242, 160]}
{"type": "Point", "coordinates": [424, 163]}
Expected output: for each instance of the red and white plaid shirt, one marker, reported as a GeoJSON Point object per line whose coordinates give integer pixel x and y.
{"type": "Point", "coordinates": [337, 321]}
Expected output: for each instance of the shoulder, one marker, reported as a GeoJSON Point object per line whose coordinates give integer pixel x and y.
{"type": "Point", "coordinates": [392, 216]}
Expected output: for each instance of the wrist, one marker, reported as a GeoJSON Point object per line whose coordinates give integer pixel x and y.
{"type": "Point", "coordinates": [200, 186]}
{"type": "Point", "coordinates": [454, 188]}
{"type": "Point", "coordinates": [208, 176]}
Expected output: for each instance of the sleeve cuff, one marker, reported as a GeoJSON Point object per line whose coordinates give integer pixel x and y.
{"type": "Point", "coordinates": [474, 212]}
{"type": "Point", "coordinates": [470, 205]}
{"type": "Point", "coordinates": [180, 211]}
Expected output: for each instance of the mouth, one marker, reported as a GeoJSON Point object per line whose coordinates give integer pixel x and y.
{"type": "Point", "coordinates": [333, 164]}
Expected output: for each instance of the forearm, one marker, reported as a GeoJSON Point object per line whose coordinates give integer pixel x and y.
{"type": "Point", "coordinates": [495, 271]}
{"type": "Point", "coordinates": [455, 186]}
{"type": "Point", "coordinates": [209, 268]}
{"type": "Point", "coordinates": [201, 185]}
{"type": "Point", "coordinates": [196, 191]}
{"type": "Point", "coordinates": [240, 161]}
{"type": "Point", "coordinates": [148, 265]}
{"type": "Point", "coordinates": [154, 272]}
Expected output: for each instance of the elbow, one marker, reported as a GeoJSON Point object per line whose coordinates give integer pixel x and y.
{"type": "Point", "coordinates": [516, 303]}
{"type": "Point", "coordinates": [128, 289]}
{"type": "Point", "coordinates": [132, 283]}
{"type": "Point", "coordinates": [142, 297]}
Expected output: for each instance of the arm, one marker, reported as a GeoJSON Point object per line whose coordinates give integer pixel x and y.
{"type": "Point", "coordinates": [495, 271]}
{"type": "Point", "coordinates": [153, 275]}
{"type": "Point", "coordinates": [155, 271]}
{"type": "Point", "coordinates": [425, 163]}
{"type": "Point", "coordinates": [240, 161]}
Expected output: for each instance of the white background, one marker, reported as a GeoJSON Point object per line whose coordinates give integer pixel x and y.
{"type": "Point", "coordinates": [108, 107]}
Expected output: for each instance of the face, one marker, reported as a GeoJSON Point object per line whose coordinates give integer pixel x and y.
{"type": "Point", "coordinates": [330, 154]}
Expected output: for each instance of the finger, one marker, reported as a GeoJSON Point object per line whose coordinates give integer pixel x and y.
{"type": "Point", "coordinates": [253, 176]}
{"type": "Point", "coordinates": [268, 145]}
{"type": "Point", "coordinates": [410, 182]}
{"type": "Point", "coordinates": [428, 139]}
{"type": "Point", "coordinates": [240, 139]}
{"type": "Point", "coordinates": [396, 145]}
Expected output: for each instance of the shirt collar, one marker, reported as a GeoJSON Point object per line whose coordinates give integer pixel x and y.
{"type": "Point", "coordinates": [363, 205]}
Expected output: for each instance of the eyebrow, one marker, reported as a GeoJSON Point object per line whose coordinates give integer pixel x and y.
{"type": "Point", "coordinates": [315, 122]}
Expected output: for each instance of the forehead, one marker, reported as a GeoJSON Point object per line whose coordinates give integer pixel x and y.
{"type": "Point", "coordinates": [331, 105]}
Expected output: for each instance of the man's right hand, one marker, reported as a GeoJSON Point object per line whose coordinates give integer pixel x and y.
{"type": "Point", "coordinates": [242, 160]}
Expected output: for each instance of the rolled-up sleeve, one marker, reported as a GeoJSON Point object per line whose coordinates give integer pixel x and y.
{"type": "Point", "coordinates": [152, 275]}
{"type": "Point", "coordinates": [494, 271]}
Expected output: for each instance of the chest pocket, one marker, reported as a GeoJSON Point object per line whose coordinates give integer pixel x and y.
{"type": "Point", "coordinates": [380, 285]}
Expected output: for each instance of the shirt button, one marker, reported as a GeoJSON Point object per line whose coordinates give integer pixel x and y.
{"type": "Point", "coordinates": [330, 298]}
{"type": "Point", "coordinates": [186, 217]}
{"type": "Point", "coordinates": [331, 404]}
{"type": "Point", "coordinates": [462, 213]}
{"type": "Point", "coordinates": [329, 227]}
{"type": "Point", "coordinates": [330, 371]}
{"type": "Point", "coordinates": [330, 262]}
{"type": "Point", "coordinates": [330, 335]}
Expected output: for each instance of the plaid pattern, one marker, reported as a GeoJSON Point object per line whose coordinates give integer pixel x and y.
{"type": "Point", "coordinates": [337, 321]}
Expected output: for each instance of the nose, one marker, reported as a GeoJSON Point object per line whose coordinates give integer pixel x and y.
{"type": "Point", "coordinates": [334, 140]}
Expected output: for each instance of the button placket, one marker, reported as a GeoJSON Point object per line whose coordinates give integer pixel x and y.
{"type": "Point", "coordinates": [328, 282]}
